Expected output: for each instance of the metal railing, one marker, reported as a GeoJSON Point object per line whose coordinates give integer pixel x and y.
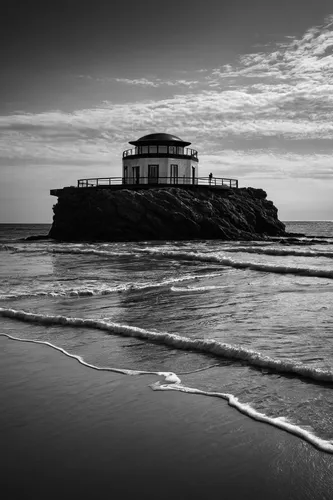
{"type": "Point", "coordinates": [160, 150]}
{"type": "Point", "coordinates": [184, 181]}
{"type": "Point", "coordinates": [99, 181]}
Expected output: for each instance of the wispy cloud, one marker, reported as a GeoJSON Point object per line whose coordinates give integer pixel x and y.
{"type": "Point", "coordinates": [295, 59]}
{"type": "Point", "coordinates": [157, 82]}
{"type": "Point", "coordinates": [144, 82]}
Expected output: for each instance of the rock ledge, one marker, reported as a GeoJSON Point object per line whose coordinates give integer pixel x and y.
{"type": "Point", "coordinates": [173, 213]}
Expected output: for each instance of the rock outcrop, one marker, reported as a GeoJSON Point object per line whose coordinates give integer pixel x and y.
{"type": "Point", "coordinates": [93, 214]}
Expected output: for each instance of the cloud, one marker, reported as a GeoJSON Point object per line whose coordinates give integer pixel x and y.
{"type": "Point", "coordinates": [145, 82]}
{"type": "Point", "coordinates": [285, 92]}
{"type": "Point", "coordinates": [269, 164]}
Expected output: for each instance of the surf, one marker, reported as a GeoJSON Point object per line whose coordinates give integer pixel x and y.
{"type": "Point", "coordinates": [173, 383]}
{"type": "Point", "coordinates": [205, 346]}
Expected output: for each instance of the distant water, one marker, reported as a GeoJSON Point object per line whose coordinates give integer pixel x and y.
{"type": "Point", "coordinates": [250, 321]}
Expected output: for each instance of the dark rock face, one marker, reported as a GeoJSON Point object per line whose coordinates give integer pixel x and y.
{"type": "Point", "coordinates": [164, 213]}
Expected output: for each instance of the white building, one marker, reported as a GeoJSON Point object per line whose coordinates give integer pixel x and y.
{"type": "Point", "coordinates": [160, 159]}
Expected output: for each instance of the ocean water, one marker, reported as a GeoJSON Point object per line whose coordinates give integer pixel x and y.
{"type": "Point", "coordinates": [247, 322]}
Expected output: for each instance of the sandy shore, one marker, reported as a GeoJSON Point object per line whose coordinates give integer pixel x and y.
{"type": "Point", "coordinates": [69, 430]}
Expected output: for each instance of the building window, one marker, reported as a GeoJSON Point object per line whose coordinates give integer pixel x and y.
{"type": "Point", "coordinates": [144, 150]}
{"type": "Point", "coordinates": [180, 150]}
{"type": "Point", "coordinates": [172, 150]}
{"type": "Point", "coordinates": [153, 173]}
{"type": "Point", "coordinates": [152, 149]}
{"type": "Point", "coordinates": [162, 149]}
{"type": "Point", "coordinates": [136, 175]}
{"type": "Point", "coordinates": [173, 174]}
{"type": "Point", "coordinates": [125, 175]}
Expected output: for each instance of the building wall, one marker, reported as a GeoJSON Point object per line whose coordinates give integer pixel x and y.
{"type": "Point", "coordinates": [184, 168]}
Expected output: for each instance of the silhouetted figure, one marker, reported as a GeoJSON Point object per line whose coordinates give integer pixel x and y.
{"type": "Point", "coordinates": [210, 178]}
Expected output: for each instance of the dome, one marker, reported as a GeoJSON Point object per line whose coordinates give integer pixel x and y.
{"type": "Point", "coordinates": [163, 139]}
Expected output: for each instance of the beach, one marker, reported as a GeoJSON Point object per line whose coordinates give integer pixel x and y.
{"type": "Point", "coordinates": [67, 429]}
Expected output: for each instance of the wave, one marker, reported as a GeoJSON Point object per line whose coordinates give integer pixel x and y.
{"type": "Point", "coordinates": [280, 252]}
{"type": "Point", "coordinates": [84, 292]}
{"type": "Point", "coordinates": [168, 376]}
{"type": "Point", "coordinates": [246, 409]}
{"type": "Point", "coordinates": [197, 288]}
{"type": "Point", "coordinates": [203, 257]}
{"type": "Point", "coordinates": [174, 384]}
{"type": "Point", "coordinates": [90, 292]}
{"type": "Point", "coordinates": [268, 268]}
{"type": "Point", "coordinates": [71, 251]}
{"type": "Point", "coordinates": [206, 346]}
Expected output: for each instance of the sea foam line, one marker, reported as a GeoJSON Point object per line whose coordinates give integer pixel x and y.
{"type": "Point", "coordinates": [207, 346]}
{"type": "Point", "coordinates": [280, 252]}
{"type": "Point", "coordinates": [271, 268]}
{"type": "Point", "coordinates": [76, 251]}
{"type": "Point", "coordinates": [174, 383]}
{"type": "Point", "coordinates": [246, 409]}
{"type": "Point", "coordinates": [90, 292]}
{"type": "Point", "coordinates": [198, 288]}
{"type": "Point", "coordinates": [168, 376]}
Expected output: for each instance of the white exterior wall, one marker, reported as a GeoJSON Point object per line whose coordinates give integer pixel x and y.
{"type": "Point", "coordinates": [184, 168]}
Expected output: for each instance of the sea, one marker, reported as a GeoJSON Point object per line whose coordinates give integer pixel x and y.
{"type": "Point", "coordinates": [248, 322]}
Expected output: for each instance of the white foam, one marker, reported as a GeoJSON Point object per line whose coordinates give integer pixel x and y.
{"type": "Point", "coordinates": [168, 376]}
{"type": "Point", "coordinates": [246, 409]}
{"type": "Point", "coordinates": [214, 347]}
{"type": "Point", "coordinates": [59, 250]}
{"type": "Point", "coordinates": [174, 384]}
{"type": "Point", "coordinates": [102, 289]}
{"type": "Point", "coordinates": [280, 251]}
{"type": "Point", "coordinates": [203, 257]}
{"type": "Point", "coordinates": [271, 268]}
{"type": "Point", "coordinates": [197, 288]}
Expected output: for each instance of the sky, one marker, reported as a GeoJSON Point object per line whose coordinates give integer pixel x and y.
{"type": "Point", "coordinates": [248, 82]}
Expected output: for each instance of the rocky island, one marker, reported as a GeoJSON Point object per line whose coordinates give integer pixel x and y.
{"type": "Point", "coordinates": [160, 196]}
{"type": "Point", "coordinates": [161, 213]}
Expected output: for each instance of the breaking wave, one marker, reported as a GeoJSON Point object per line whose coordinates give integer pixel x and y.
{"type": "Point", "coordinates": [173, 383]}
{"type": "Point", "coordinates": [197, 288]}
{"type": "Point", "coordinates": [213, 347]}
{"type": "Point", "coordinates": [75, 251]}
{"type": "Point", "coordinates": [270, 268]}
{"type": "Point", "coordinates": [103, 290]}
{"type": "Point", "coordinates": [280, 252]}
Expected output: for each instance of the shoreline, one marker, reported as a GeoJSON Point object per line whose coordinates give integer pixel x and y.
{"type": "Point", "coordinates": [72, 428]}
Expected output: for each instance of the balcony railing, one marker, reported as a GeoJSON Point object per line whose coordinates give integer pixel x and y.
{"type": "Point", "coordinates": [160, 151]}
{"type": "Point", "coordinates": [184, 181]}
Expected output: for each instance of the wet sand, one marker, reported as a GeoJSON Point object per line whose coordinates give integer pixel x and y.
{"type": "Point", "coordinates": [68, 430]}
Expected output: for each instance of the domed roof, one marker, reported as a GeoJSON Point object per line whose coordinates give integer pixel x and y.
{"type": "Point", "coordinates": [163, 139]}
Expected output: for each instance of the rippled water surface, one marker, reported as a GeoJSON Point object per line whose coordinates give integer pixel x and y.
{"type": "Point", "coordinates": [252, 320]}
